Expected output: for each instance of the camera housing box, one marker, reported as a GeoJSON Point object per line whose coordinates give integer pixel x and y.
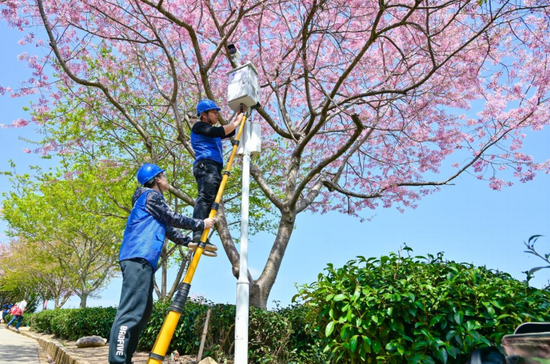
{"type": "Point", "coordinates": [243, 87]}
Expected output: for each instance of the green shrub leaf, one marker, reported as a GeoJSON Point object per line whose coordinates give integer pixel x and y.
{"type": "Point", "coordinates": [330, 328]}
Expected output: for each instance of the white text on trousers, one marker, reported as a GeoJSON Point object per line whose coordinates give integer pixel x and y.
{"type": "Point", "coordinates": [120, 341]}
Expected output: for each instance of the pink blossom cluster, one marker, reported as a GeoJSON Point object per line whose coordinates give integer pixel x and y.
{"type": "Point", "coordinates": [367, 106]}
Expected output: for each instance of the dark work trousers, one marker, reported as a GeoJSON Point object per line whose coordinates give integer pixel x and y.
{"type": "Point", "coordinates": [134, 310]}
{"type": "Point", "coordinates": [209, 176]}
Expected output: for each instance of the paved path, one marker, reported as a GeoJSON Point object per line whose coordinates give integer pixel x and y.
{"type": "Point", "coordinates": [23, 348]}
{"type": "Point", "coordinates": [16, 348]}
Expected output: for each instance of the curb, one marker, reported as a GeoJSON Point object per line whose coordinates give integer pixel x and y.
{"type": "Point", "coordinates": [54, 349]}
{"type": "Point", "coordinates": [66, 352]}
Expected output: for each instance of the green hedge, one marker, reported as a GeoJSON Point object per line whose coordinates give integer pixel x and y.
{"type": "Point", "coordinates": [417, 310]}
{"type": "Point", "coordinates": [271, 334]}
{"type": "Point", "coordinates": [304, 345]}
{"type": "Point", "coordinates": [268, 335]}
{"type": "Point", "coordinates": [185, 340]}
{"type": "Point", "coordinates": [391, 309]}
{"type": "Point", "coordinates": [71, 324]}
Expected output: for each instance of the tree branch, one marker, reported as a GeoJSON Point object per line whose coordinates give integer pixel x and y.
{"type": "Point", "coordinates": [53, 43]}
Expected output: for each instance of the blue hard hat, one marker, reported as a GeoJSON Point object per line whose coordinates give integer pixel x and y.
{"type": "Point", "coordinates": [147, 172]}
{"type": "Point", "coordinates": [206, 105]}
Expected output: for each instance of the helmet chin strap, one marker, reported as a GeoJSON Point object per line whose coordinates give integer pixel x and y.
{"type": "Point", "coordinates": [208, 118]}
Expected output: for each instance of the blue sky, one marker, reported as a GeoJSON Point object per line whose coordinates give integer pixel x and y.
{"type": "Point", "coordinates": [468, 221]}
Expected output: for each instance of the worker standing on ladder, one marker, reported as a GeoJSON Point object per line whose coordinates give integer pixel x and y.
{"type": "Point", "coordinates": [150, 221]}
{"type": "Point", "coordinates": [206, 140]}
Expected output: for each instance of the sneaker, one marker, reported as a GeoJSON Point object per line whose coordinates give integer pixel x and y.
{"type": "Point", "coordinates": [7, 327]}
{"type": "Point", "coordinates": [193, 244]}
{"type": "Point", "coordinates": [208, 253]}
{"type": "Point", "coordinates": [16, 330]}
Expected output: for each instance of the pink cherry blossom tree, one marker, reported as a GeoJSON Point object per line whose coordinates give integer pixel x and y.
{"type": "Point", "coordinates": [365, 104]}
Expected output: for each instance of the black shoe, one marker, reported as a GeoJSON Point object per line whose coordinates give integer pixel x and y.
{"type": "Point", "coordinates": [209, 246]}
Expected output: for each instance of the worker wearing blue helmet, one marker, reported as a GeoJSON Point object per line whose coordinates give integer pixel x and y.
{"type": "Point", "coordinates": [150, 222]}
{"type": "Point", "coordinates": [206, 140]}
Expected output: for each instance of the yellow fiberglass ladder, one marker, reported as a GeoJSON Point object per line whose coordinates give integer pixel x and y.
{"type": "Point", "coordinates": [178, 301]}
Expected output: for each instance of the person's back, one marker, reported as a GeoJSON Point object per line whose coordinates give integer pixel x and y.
{"type": "Point", "coordinates": [22, 305]}
{"type": "Point", "coordinates": [146, 227]}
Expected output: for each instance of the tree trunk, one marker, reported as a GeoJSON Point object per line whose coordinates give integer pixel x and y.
{"type": "Point", "coordinates": [181, 270]}
{"type": "Point", "coordinates": [61, 299]}
{"type": "Point", "coordinates": [258, 295]}
{"type": "Point", "coordinates": [261, 288]}
{"type": "Point", "coordinates": [83, 299]}
{"type": "Point", "coordinates": [164, 272]}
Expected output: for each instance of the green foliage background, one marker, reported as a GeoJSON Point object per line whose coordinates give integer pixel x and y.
{"type": "Point", "coordinates": [392, 309]}
{"type": "Point", "coordinates": [397, 309]}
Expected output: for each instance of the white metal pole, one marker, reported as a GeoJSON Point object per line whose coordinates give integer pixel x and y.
{"type": "Point", "coordinates": [243, 286]}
